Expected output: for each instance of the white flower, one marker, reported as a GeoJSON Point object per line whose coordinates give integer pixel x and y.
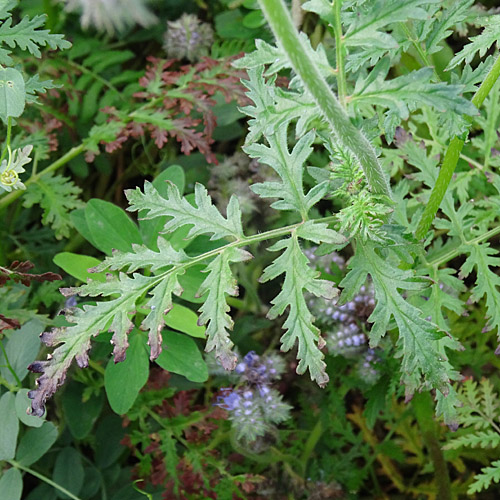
{"type": "Point", "coordinates": [112, 15]}
{"type": "Point", "coordinates": [9, 173]}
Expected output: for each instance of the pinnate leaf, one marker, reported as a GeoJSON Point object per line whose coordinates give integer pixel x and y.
{"type": "Point", "coordinates": [299, 277]}
{"type": "Point", "coordinates": [290, 167]}
{"type": "Point", "coordinates": [420, 342]}
{"type": "Point", "coordinates": [214, 312]}
{"type": "Point", "coordinates": [204, 217]}
{"type": "Point", "coordinates": [479, 44]}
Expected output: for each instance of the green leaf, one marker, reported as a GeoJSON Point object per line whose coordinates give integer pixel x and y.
{"type": "Point", "coordinates": [10, 426]}
{"type": "Point", "coordinates": [274, 107]}
{"type": "Point", "coordinates": [420, 344]}
{"type": "Point", "coordinates": [57, 196]}
{"type": "Point", "coordinates": [110, 227]}
{"type": "Point", "coordinates": [479, 44]}
{"type": "Point", "coordinates": [160, 304]}
{"type": "Point", "coordinates": [68, 472]}
{"type": "Point", "coordinates": [143, 257]}
{"type": "Point", "coordinates": [299, 277]}
{"type": "Point", "coordinates": [79, 222]}
{"type": "Point", "coordinates": [214, 312]}
{"type": "Point", "coordinates": [276, 58]}
{"type": "Point", "coordinates": [485, 259]}
{"type": "Point", "coordinates": [290, 167]}
{"type": "Point", "coordinates": [80, 413]}
{"type": "Point", "coordinates": [204, 217]}
{"type": "Point", "coordinates": [151, 228]}
{"type": "Point", "coordinates": [184, 320]}
{"type": "Point", "coordinates": [406, 93]}
{"type": "Point", "coordinates": [27, 36]}
{"type": "Point", "coordinates": [35, 443]}
{"type": "Point", "coordinates": [22, 406]}
{"type": "Point", "coordinates": [73, 342]}
{"type": "Point", "coordinates": [11, 484]}
{"type": "Point", "coordinates": [487, 476]}
{"type": "Point", "coordinates": [181, 355]}
{"type": "Point", "coordinates": [318, 232]}
{"type": "Point", "coordinates": [109, 434]}
{"type": "Point", "coordinates": [34, 86]}
{"type": "Point", "coordinates": [78, 265]}
{"type": "Point", "coordinates": [22, 349]}
{"type": "Point", "coordinates": [124, 380]}
{"type": "Point", "coordinates": [12, 93]}
{"type": "Point", "coordinates": [456, 13]}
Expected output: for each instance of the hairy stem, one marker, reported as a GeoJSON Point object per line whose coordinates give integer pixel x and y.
{"type": "Point", "coordinates": [281, 24]}
{"type": "Point", "coordinates": [451, 158]}
{"type": "Point", "coordinates": [45, 479]}
{"type": "Point", "coordinates": [341, 80]}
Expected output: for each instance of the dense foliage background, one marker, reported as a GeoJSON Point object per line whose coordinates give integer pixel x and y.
{"type": "Point", "coordinates": [182, 197]}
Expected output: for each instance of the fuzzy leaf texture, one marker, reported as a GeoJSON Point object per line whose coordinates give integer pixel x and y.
{"type": "Point", "coordinates": [274, 107]}
{"type": "Point", "coordinates": [204, 218]}
{"type": "Point", "coordinates": [214, 311]}
{"type": "Point", "coordinates": [406, 93]}
{"type": "Point", "coordinates": [420, 344]}
{"type": "Point", "coordinates": [153, 292]}
{"type": "Point", "coordinates": [299, 277]}
{"type": "Point", "coordinates": [290, 167]}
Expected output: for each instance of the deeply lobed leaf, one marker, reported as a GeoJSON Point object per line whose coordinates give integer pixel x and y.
{"type": "Point", "coordinates": [299, 277]}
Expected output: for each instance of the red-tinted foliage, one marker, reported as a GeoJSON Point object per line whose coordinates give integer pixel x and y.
{"type": "Point", "coordinates": [178, 103]}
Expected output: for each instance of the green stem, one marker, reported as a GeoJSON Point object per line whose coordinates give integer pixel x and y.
{"type": "Point", "coordinates": [339, 49]}
{"type": "Point", "coordinates": [424, 413]}
{"type": "Point", "coordinates": [451, 158]}
{"type": "Point", "coordinates": [14, 195]}
{"type": "Point", "coordinates": [451, 254]}
{"type": "Point", "coordinates": [281, 24]}
{"type": "Point", "coordinates": [311, 443]}
{"type": "Point", "coordinates": [8, 386]}
{"type": "Point", "coordinates": [421, 52]}
{"type": "Point", "coordinates": [7, 141]}
{"type": "Point", "coordinates": [45, 479]}
{"type": "Point", "coordinates": [9, 366]}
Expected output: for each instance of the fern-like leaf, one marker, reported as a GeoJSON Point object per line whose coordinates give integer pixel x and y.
{"type": "Point", "coordinates": [485, 259]}
{"type": "Point", "coordinates": [143, 257]}
{"type": "Point", "coordinates": [487, 476]}
{"type": "Point", "coordinates": [57, 196]}
{"type": "Point", "coordinates": [274, 107]}
{"type": "Point", "coordinates": [479, 44]}
{"type": "Point", "coordinates": [27, 36]}
{"type": "Point", "coordinates": [74, 341]}
{"type": "Point", "coordinates": [214, 311]}
{"type": "Point", "coordinates": [299, 277]}
{"type": "Point", "coordinates": [407, 93]}
{"type": "Point", "coordinates": [423, 362]}
{"type": "Point", "coordinates": [204, 217]}
{"type": "Point", "coordinates": [289, 166]}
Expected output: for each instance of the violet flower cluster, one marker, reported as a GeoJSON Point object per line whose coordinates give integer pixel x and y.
{"type": "Point", "coordinates": [254, 407]}
{"type": "Point", "coordinates": [188, 37]}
